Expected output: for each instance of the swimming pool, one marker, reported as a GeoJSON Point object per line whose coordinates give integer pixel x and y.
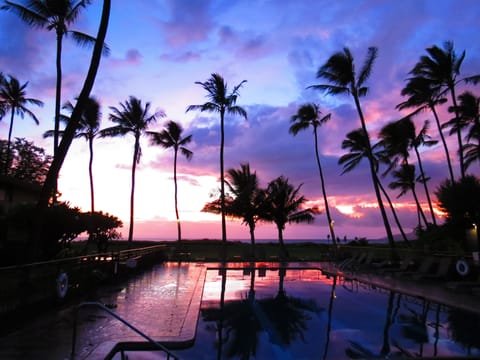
{"type": "Point", "coordinates": [305, 314]}
{"type": "Point", "coordinates": [266, 313]}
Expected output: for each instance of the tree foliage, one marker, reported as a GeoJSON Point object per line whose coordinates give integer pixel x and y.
{"type": "Point", "coordinates": [63, 223]}
{"type": "Point", "coordinates": [27, 162]}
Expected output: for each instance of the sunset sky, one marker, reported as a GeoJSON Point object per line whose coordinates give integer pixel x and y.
{"type": "Point", "coordinates": [160, 48]}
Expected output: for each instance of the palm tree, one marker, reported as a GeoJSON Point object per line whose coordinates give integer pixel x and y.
{"type": "Point", "coordinates": [356, 141]}
{"type": "Point", "coordinates": [339, 71]}
{"type": "Point", "coordinates": [13, 98]}
{"type": "Point", "coordinates": [171, 137]}
{"type": "Point", "coordinates": [284, 205]}
{"type": "Point", "coordinates": [423, 139]}
{"type": "Point", "coordinates": [223, 102]}
{"type": "Point", "coordinates": [398, 137]}
{"type": "Point", "coordinates": [469, 111]}
{"type": "Point", "coordinates": [89, 129]}
{"type": "Point", "coordinates": [49, 185]}
{"type": "Point", "coordinates": [58, 16]}
{"type": "Point", "coordinates": [132, 118]}
{"type": "Point", "coordinates": [245, 199]}
{"type": "Point", "coordinates": [424, 96]}
{"type": "Point", "coordinates": [441, 67]}
{"type": "Point", "coordinates": [310, 115]}
{"type": "Point", "coordinates": [405, 181]}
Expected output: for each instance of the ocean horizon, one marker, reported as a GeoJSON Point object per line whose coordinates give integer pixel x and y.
{"type": "Point", "coordinates": [273, 240]}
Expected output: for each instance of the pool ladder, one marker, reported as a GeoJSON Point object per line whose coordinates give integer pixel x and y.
{"type": "Point", "coordinates": [122, 346]}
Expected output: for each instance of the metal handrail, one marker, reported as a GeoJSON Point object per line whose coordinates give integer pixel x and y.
{"type": "Point", "coordinates": [106, 309]}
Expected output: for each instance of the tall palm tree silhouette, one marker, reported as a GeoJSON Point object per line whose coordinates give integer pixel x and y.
{"type": "Point", "coordinates": [49, 185]}
{"type": "Point", "coordinates": [356, 141]}
{"type": "Point", "coordinates": [339, 71]}
{"type": "Point", "coordinates": [132, 118]}
{"type": "Point", "coordinates": [441, 67]}
{"type": "Point", "coordinates": [310, 115]}
{"type": "Point", "coordinates": [59, 16]}
{"type": "Point", "coordinates": [223, 102]}
{"type": "Point", "coordinates": [404, 179]}
{"type": "Point", "coordinates": [13, 98]}
{"type": "Point", "coordinates": [422, 95]}
{"type": "Point", "coordinates": [284, 205]}
{"type": "Point", "coordinates": [469, 111]}
{"type": "Point", "coordinates": [89, 129]}
{"type": "Point", "coordinates": [171, 137]}
{"type": "Point", "coordinates": [245, 199]}
{"type": "Point", "coordinates": [398, 137]}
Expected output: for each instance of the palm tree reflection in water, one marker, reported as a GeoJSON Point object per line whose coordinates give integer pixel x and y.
{"type": "Point", "coordinates": [240, 322]}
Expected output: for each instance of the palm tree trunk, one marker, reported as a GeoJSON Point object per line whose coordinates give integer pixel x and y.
{"type": "Point", "coordinates": [179, 230]}
{"type": "Point", "coordinates": [58, 100]}
{"type": "Point", "coordinates": [444, 142]}
{"type": "Point", "coordinates": [222, 311]}
{"type": "Point", "coordinates": [222, 184]}
{"type": "Point", "coordinates": [9, 142]}
{"type": "Point", "coordinates": [388, 323]}
{"type": "Point", "coordinates": [419, 207]}
{"type": "Point", "coordinates": [324, 192]}
{"type": "Point", "coordinates": [424, 181]}
{"type": "Point", "coordinates": [90, 174]}
{"type": "Point", "coordinates": [50, 181]}
{"type": "Point", "coordinates": [251, 226]}
{"type": "Point", "coordinates": [394, 213]}
{"type": "Point", "coordinates": [283, 249]}
{"type": "Point", "coordinates": [459, 131]}
{"type": "Point", "coordinates": [374, 177]}
{"type": "Point", "coordinates": [132, 193]}
{"type": "Point", "coordinates": [329, 318]}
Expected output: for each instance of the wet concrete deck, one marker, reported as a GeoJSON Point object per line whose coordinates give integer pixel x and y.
{"type": "Point", "coordinates": [167, 312]}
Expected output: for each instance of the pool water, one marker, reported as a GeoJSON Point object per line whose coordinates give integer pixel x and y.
{"type": "Point", "coordinates": [305, 314]}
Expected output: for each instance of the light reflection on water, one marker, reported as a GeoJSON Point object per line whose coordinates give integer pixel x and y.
{"type": "Point", "coordinates": [303, 314]}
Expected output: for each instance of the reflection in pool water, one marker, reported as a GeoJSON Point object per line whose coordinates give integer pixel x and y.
{"type": "Point", "coordinates": [304, 314]}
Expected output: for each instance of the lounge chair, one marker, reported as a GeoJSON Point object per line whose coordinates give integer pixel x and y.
{"type": "Point", "coordinates": [404, 265]}
{"type": "Point", "coordinates": [441, 272]}
{"type": "Point", "coordinates": [355, 259]}
{"type": "Point", "coordinates": [423, 268]}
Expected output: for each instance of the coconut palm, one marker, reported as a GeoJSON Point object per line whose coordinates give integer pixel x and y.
{"type": "Point", "coordinates": [245, 199]}
{"type": "Point", "coordinates": [131, 118]}
{"type": "Point", "coordinates": [89, 129]}
{"type": "Point", "coordinates": [223, 102]}
{"type": "Point", "coordinates": [49, 186]}
{"type": "Point", "coordinates": [423, 95]}
{"type": "Point", "coordinates": [398, 138]}
{"type": "Point", "coordinates": [469, 111]}
{"type": "Point", "coordinates": [171, 137]}
{"type": "Point", "coordinates": [423, 139]}
{"type": "Point", "coordinates": [310, 115]}
{"type": "Point", "coordinates": [405, 181]}
{"type": "Point", "coordinates": [13, 97]}
{"type": "Point", "coordinates": [356, 142]}
{"type": "Point", "coordinates": [58, 16]}
{"type": "Point", "coordinates": [284, 205]}
{"type": "Point", "coordinates": [339, 71]}
{"type": "Point", "coordinates": [441, 67]}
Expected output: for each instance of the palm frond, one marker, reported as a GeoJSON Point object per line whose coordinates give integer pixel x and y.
{"type": "Point", "coordinates": [367, 66]}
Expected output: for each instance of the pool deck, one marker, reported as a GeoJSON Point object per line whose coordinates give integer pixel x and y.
{"type": "Point", "coordinates": [178, 316]}
{"type": "Point", "coordinates": [169, 319]}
